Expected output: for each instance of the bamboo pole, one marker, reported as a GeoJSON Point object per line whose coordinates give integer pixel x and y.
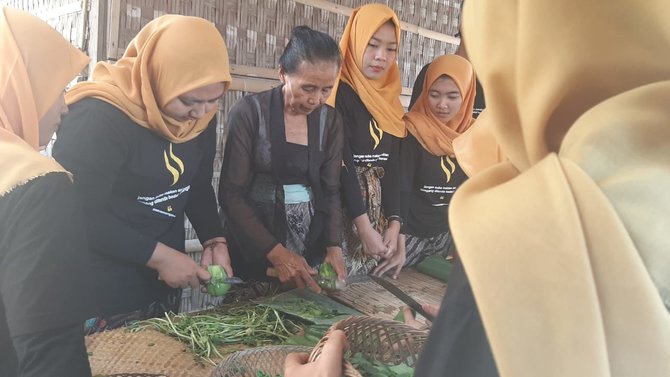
{"type": "Point", "coordinates": [346, 11]}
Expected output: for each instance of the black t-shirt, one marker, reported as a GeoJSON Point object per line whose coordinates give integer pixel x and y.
{"type": "Point", "coordinates": [366, 145]}
{"type": "Point", "coordinates": [428, 182]}
{"type": "Point", "coordinates": [135, 188]}
{"type": "Point", "coordinates": [44, 266]}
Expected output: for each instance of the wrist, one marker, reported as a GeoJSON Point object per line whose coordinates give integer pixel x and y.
{"type": "Point", "coordinates": [363, 225]}
{"type": "Point", "coordinates": [214, 241]}
{"type": "Point", "coordinates": [395, 221]}
{"type": "Point", "coordinates": [274, 255]}
{"type": "Point", "coordinates": [334, 251]}
{"type": "Point", "coordinates": [158, 256]}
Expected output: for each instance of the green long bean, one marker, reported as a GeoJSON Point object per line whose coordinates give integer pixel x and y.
{"type": "Point", "coordinates": [202, 333]}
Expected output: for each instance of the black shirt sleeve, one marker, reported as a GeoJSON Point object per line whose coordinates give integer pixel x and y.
{"type": "Point", "coordinates": [44, 258]}
{"type": "Point", "coordinates": [236, 176]}
{"type": "Point", "coordinates": [201, 207]}
{"type": "Point", "coordinates": [330, 181]}
{"type": "Point", "coordinates": [92, 147]}
{"type": "Point", "coordinates": [407, 167]}
{"type": "Point", "coordinates": [351, 189]}
{"type": "Point", "coordinates": [390, 182]}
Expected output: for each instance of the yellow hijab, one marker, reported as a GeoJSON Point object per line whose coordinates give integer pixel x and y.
{"type": "Point", "coordinates": [381, 97]}
{"type": "Point", "coordinates": [170, 56]}
{"type": "Point", "coordinates": [566, 243]}
{"type": "Point", "coordinates": [434, 135]}
{"type": "Point", "coordinates": [35, 66]}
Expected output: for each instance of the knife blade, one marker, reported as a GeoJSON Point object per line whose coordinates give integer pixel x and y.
{"type": "Point", "coordinates": [397, 292]}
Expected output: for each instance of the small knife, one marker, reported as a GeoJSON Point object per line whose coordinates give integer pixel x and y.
{"type": "Point", "coordinates": [230, 280]}
{"type": "Point", "coordinates": [397, 292]}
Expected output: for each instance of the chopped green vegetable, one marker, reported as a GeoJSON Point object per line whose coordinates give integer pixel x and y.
{"type": "Point", "coordinates": [216, 286]}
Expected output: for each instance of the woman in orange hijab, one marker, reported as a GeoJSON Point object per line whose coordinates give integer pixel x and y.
{"type": "Point", "coordinates": [140, 139]}
{"type": "Point", "coordinates": [429, 171]}
{"type": "Point", "coordinates": [368, 98]}
{"type": "Point", "coordinates": [43, 256]}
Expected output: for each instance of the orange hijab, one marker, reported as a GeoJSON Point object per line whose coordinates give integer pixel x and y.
{"type": "Point", "coordinates": [435, 136]}
{"type": "Point", "coordinates": [381, 97]}
{"type": "Point", "coordinates": [565, 244]}
{"type": "Point", "coordinates": [35, 66]}
{"type": "Point", "coordinates": [170, 56]}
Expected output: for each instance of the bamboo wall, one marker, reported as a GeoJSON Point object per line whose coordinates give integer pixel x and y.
{"type": "Point", "coordinates": [255, 32]}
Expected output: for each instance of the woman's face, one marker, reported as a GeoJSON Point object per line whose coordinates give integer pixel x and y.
{"type": "Point", "coordinates": [194, 104]}
{"type": "Point", "coordinates": [381, 52]}
{"type": "Point", "coordinates": [444, 99]}
{"type": "Point", "coordinates": [51, 120]}
{"type": "Point", "coordinates": [308, 87]}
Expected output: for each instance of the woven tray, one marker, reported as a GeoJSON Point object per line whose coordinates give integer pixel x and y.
{"type": "Point", "coordinates": [372, 299]}
{"type": "Point", "coordinates": [144, 353]}
{"type": "Point", "coordinates": [269, 359]}
{"type": "Point", "coordinates": [386, 341]}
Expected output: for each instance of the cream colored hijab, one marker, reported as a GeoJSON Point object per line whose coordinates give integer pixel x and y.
{"type": "Point", "coordinates": [382, 96]}
{"type": "Point", "coordinates": [566, 243]}
{"type": "Point", "coordinates": [170, 56]}
{"type": "Point", "coordinates": [36, 64]}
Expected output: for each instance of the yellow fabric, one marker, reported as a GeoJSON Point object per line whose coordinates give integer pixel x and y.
{"type": "Point", "coordinates": [170, 56]}
{"type": "Point", "coordinates": [566, 244]}
{"type": "Point", "coordinates": [477, 148]}
{"type": "Point", "coordinates": [382, 96]}
{"type": "Point", "coordinates": [434, 135]}
{"type": "Point", "coordinates": [36, 64]}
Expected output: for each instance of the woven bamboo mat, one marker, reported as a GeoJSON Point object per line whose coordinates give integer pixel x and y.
{"type": "Point", "coordinates": [145, 352]}
{"type": "Point", "coordinates": [372, 299]}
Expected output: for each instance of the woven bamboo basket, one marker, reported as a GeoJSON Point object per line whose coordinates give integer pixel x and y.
{"type": "Point", "coordinates": [269, 359]}
{"type": "Point", "coordinates": [386, 341]}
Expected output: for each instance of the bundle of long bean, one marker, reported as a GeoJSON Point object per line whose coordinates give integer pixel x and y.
{"type": "Point", "coordinates": [248, 324]}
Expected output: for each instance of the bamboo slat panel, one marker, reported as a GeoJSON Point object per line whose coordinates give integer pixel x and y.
{"type": "Point", "coordinates": [372, 299]}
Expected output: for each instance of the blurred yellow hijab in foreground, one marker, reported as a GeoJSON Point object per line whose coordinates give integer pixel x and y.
{"type": "Point", "coordinates": [36, 64]}
{"type": "Point", "coordinates": [565, 244]}
{"type": "Point", "coordinates": [170, 56]}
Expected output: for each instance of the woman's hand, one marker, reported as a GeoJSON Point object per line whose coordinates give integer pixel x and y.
{"type": "Point", "coordinates": [215, 251]}
{"type": "Point", "coordinates": [391, 238]}
{"type": "Point", "coordinates": [412, 321]}
{"type": "Point", "coordinates": [372, 242]}
{"type": "Point", "coordinates": [292, 267]}
{"type": "Point", "coordinates": [329, 363]}
{"type": "Point", "coordinates": [175, 268]}
{"type": "Point", "coordinates": [336, 259]}
{"type": "Point", "coordinates": [395, 260]}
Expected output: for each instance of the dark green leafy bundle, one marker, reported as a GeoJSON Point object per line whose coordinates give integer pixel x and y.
{"type": "Point", "coordinates": [248, 324]}
{"type": "Point", "coordinates": [369, 368]}
{"type": "Point", "coordinates": [260, 373]}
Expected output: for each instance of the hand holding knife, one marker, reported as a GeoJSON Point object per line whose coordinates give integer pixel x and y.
{"type": "Point", "coordinates": [397, 292]}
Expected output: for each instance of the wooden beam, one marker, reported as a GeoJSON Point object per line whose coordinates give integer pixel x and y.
{"type": "Point", "coordinates": [254, 84]}
{"type": "Point", "coordinates": [97, 20]}
{"type": "Point", "coordinates": [346, 11]}
{"type": "Point", "coordinates": [265, 73]}
{"type": "Point", "coordinates": [113, 30]}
